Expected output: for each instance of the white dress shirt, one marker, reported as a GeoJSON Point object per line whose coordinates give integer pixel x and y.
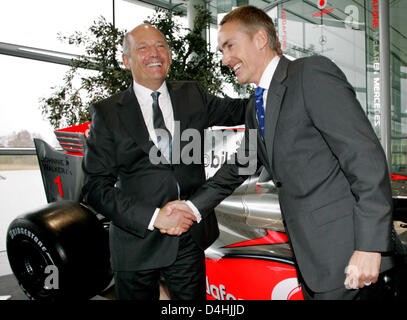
{"type": "Point", "coordinates": [266, 77]}
{"type": "Point", "coordinates": [145, 101]}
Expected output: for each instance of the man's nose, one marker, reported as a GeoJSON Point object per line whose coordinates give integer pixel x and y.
{"type": "Point", "coordinates": [225, 59]}
{"type": "Point", "coordinates": [153, 51]}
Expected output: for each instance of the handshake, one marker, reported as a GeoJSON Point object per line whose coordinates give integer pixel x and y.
{"type": "Point", "coordinates": [175, 218]}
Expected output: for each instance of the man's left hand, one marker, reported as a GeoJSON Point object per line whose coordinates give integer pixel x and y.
{"type": "Point", "coordinates": [363, 269]}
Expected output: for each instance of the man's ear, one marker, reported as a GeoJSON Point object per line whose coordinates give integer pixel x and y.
{"type": "Point", "coordinates": [126, 61]}
{"type": "Point", "coordinates": [170, 56]}
{"type": "Point", "coordinates": [260, 39]}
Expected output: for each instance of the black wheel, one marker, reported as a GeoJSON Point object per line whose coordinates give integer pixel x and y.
{"type": "Point", "coordinates": [59, 252]}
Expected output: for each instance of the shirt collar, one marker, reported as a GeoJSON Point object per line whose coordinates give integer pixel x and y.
{"type": "Point", "coordinates": [144, 93]}
{"type": "Point", "coordinates": [268, 73]}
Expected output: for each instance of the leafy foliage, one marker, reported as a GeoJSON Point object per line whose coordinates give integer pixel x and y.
{"type": "Point", "coordinates": [68, 105]}
{"type": "Point", "coordinates": [192, 57]}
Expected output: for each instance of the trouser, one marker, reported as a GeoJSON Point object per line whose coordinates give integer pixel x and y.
{"type": "Point", "coordinates": [383, 289]}
{"type": "Point", "coordinates": [184, 279]}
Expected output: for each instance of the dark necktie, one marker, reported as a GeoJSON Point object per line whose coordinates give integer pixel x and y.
{"type": "Point", "coordinates": [163, 140]}
{"type": "Point", "coordinates": [258, 95]}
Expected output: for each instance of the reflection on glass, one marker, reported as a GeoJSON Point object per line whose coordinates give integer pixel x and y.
{"type": "Point", "coordinates": [398, 72]}
{"type": "Point", "coordinates": [23, 83]}
{"type": "Point", "coordinates": [37, 23]}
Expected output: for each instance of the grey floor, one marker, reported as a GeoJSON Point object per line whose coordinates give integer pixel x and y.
{"type": "Point", "coordinates": [10, 290]}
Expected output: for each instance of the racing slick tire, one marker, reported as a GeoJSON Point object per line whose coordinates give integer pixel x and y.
{"type": "Point", "coordinates": [59, 252]}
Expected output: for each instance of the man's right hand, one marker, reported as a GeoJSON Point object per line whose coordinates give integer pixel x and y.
{"type": "Point", "coordinates": [174, 222]}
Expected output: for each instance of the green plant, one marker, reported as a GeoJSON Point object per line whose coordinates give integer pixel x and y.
{"type": "Point", "coordinates": [100, 73]}
{"type": "Point", "coordinates": [93, 76]}
{"type": "Point", "coordinates": [192, 57]}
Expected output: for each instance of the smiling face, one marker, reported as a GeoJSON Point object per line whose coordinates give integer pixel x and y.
{"type": "Point", "coordinates": [149, 58]}
{"type": "Point", "coordinates": [247, 55]}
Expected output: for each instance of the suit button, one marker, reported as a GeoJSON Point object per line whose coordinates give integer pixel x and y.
{"type": "Point", "coordinates": [278, 184]}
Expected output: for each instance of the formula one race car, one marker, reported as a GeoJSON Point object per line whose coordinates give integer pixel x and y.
{"type": "Point", "coordinates": [61, 251]}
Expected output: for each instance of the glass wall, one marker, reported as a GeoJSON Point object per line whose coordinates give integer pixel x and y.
{"type": "Point", "coordinates": [336, 30]}
{"type": "Point", "coordinates": [347, 31]}
{"type": "Point", "coordinates": [36, 26]}
{"type": "Point", "coordinates": [398, 74]}
{"type": "Point", "coordinates": [37, 23]}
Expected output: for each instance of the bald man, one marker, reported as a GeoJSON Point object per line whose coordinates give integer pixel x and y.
{"type": "Point", "coordinates": [125, 182]}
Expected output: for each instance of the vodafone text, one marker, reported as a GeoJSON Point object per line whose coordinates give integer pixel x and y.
{"type": "Point", "coordinates": [219, 293]}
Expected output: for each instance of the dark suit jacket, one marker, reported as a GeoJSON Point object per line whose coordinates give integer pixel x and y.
{"type": "Point", "coordinates": [122, 184]}
{"type": "Point", "coordinates": [324, 156]}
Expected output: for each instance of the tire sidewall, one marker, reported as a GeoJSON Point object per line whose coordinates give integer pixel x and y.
{"type": "Point", "coordinates": [27, 244]}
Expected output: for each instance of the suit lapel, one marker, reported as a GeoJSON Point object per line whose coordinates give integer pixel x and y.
{"type": "Point", "coordinates": [178, 101]}
{"type": "Point", "coordinates": [275, 97]}
{"type": "Point", "coordinates": [132, 118]}
{"type": "Point", "coordinates": [181, 119]}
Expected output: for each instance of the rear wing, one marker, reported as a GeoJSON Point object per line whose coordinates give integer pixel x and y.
{"type": "Point", "coordinates": [72, 139]}
{"type": "Point", "coordinates": [61, 171]}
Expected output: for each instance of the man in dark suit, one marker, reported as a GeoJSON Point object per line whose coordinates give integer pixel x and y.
{"type": "Point", "coordinates": [319, 148]}
{"type": "Point", "coordinates": [125, 183]}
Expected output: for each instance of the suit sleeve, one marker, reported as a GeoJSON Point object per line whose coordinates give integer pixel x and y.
{"type": "Point", "coordinates": [101, 176]}
{"type": "Point", "coordinates": [230, 176]}
{"type": "Point", "coordinates": [224, 111]}
{"type": "Point", "coordinates": [331, 104]}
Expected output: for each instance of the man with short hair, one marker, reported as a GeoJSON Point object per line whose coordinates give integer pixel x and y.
{"type": "Point", "coordinates": [125, 184]}
{"type": "Point", "coordinates": [320, 150]}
